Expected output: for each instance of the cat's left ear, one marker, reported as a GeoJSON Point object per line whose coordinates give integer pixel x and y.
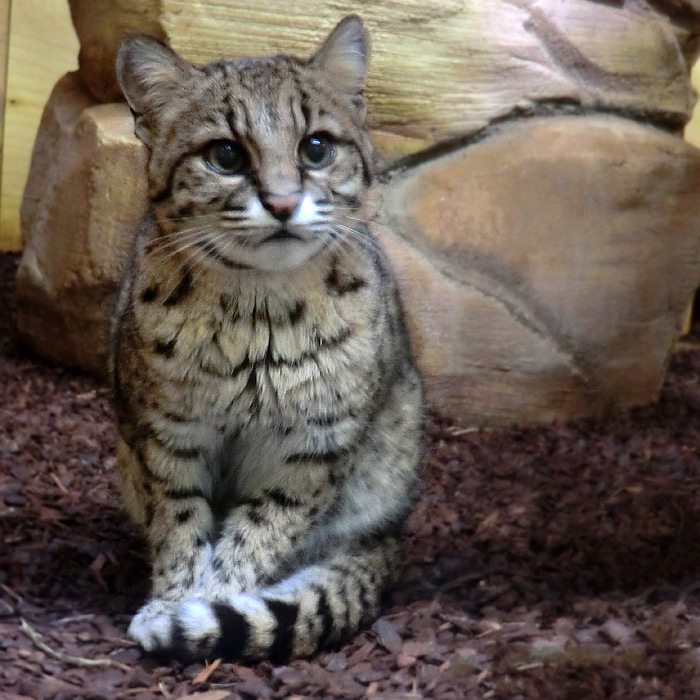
{"type": "Point", "coordinates": [345, 56]}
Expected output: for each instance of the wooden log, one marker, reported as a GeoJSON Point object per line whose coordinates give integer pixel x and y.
{"type": "Point", "coordinates": [440, 68]}
{"type": "Point", "coordinates": [42, 48]}
{"type": "Point", "coordinates": [4, 45]}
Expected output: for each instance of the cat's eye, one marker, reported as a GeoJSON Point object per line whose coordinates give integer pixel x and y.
{"type": "Point", "coordinates": [316, 151]}
{"type": "Point", "coordinates": [226, 157]}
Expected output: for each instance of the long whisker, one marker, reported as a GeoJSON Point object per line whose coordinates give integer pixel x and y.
{"type": "Point", "coordinates": [180, 245]}
{"type": "Point", "coordinates": [348, 232]}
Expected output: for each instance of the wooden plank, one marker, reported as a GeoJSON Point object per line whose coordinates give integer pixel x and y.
{"type": "Point", "coordinates": [42, 47]}
{"type": "Point", "coordinates": [439, 68]}
{"type": "Point", "coordinates": [692, 136]}
{"type": "Point", "coordinates": [692, 130]}
{"type": "Point", "coordinates": [4, 39]}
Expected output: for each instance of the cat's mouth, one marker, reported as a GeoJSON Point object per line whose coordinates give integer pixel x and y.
{"type": "Point", "coordinates": [280, 235]}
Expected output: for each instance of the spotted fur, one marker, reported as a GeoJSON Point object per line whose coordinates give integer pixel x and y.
{"type": "Point", "coordinates": [270, 419]}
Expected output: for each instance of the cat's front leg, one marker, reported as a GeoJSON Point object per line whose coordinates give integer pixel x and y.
{"type": "Point", "coordinates": [163, 489]}
{"type": "Point", "coordinates": [257, 539]}
{"type": "Point", "coordinates": [179, 540]}
{"type": "Point", "coordinates": [260, 536]}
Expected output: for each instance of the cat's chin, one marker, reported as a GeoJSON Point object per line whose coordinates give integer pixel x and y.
{"type": "Point", "coordinates": [277, 255]}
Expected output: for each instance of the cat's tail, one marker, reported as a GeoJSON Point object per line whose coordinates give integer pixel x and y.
{"type": "Point", "coordinates": [319, 605]}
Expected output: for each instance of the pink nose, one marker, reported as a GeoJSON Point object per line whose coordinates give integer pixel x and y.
{"type": "Point", "coordinates": [281, 206]}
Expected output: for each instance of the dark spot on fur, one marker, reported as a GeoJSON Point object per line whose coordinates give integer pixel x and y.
{"type": "Point", "coordinates": [296, 313]}
{"type": "Point", "coordinates": [232, 204]}
{"type": "Point", "coordinates": [281, 499]}
{"type": "Point", "coordinates": [149, 294]}
{"type": "Point", "coordinates": [256, 517]}
{"type": "Point", "coordinates": [338, 284]}
{"type": "Point", "coordinates": [234, 632]}
{"type": "Point", "coordinates": [321, 457]}
{"type": "Point", "coordinates": [184, 515]}
{"type": "Point", "coordinates": [183, 288]}
{"type": "Point", "coordinates": [252, 383]}
{"type": "Point", "coordinates": [286, 615]}
{"type": "Point", "coordinates": [150, 512]}
{"type": "Point", "coordinates": [181, 494]}
{"type": "Point", "coordinates": [326, 614]}
{"type": "Point", "coordinates": [165, 348]}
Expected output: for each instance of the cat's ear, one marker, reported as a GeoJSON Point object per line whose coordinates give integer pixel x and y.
{"type": "Point", "coordinates": [345, 55]}
{"type": "Point", "coordinates": [149, 73]}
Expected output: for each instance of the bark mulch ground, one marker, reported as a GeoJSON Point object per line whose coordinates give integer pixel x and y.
{"type": "Point", "coordinates": [558, 562]}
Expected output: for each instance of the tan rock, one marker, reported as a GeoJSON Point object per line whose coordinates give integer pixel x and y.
{"type": "Point", "coordinates": [101, 25]}
{"type": "Point", "coordinates": [439, 68]}
{"type": "Point", "coordinates": [84, 198]}
{"type": "Point", "coordinates": [546, 269]}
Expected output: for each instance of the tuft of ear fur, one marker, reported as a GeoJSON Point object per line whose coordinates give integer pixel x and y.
{"type": "Point", "coordinates": [345, 55]}
{"type": "Point", "coordinates": [149, 73]}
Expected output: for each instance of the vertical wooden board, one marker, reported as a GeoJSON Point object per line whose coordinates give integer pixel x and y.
{"type": "Point", "coordinates": [692, 130]}
{"type": "Point", "coordinates": [692, 136]}
{"type": "Point", "coordinates": [42, 47]}
{"type": "Point", "coordinates": [4, 39]}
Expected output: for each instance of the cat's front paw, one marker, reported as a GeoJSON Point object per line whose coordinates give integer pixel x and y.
{"type": "Point", "coordinates": [186, 630]}
{"type": "Point", "coordinates": [152, 626]}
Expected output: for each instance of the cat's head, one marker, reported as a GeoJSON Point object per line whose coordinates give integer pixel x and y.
{"type": "Point", "coordinates": [260, 162]}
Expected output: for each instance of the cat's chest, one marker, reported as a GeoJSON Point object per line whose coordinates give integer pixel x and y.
{"type": "Point", "coordinates": [256, 358]}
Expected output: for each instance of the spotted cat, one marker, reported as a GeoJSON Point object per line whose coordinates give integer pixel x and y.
{"type": "Point", "coordinates": [269, 415]}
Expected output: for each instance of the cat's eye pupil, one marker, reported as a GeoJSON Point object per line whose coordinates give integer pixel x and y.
{"type": "Point", "coordinates": [316, 150]}
{"type": "Point", "coordinates": [226, 157]}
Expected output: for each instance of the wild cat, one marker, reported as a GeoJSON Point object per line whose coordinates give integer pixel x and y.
{"type": "Point", "coordinates": [270, 417]}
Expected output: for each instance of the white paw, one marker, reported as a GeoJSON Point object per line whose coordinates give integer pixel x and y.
{"type": "Point", "coordinates": [198, 620]}
{"type": "Point", "coordinates": [152, 626]}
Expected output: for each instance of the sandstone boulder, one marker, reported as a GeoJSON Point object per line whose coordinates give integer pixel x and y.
{"type": "Point", "coordinates": [84, 199]}
{"type": "Point", "coordinates": [541, 279]}
{"type": "Point", "coordinates": [544, 278]}
{"type": "Point", "coordinates": [537, 206]}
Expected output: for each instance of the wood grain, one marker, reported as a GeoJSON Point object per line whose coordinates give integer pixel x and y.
{"type": "Point", "coordinates": [438, 68]}
{"type": "Point", "coordinates": [42, 47]}
{"type": "Point", "coordinates": [4, 40]}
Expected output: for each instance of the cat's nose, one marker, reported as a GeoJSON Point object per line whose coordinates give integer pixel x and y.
{"type": "Point", "coordinates": [281, 206]}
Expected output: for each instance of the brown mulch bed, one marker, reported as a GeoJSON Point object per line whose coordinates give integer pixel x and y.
{"type": "Point", "coordinates": [558, 562]}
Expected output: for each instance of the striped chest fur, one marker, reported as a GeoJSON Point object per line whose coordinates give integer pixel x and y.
{"type": "Point", "coordinates": [294, 360]}
{"type": "Point", "coordinates": [270, 418]}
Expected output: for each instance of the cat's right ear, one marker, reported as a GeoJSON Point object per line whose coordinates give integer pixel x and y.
{"type": "Point", "coordinates": [149, 73]}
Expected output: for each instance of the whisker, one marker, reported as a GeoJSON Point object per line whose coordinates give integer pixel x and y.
{"type": "Point", "coordinates": [179, 244]}
{"type": "Point", "coordinates": [357, 235]}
